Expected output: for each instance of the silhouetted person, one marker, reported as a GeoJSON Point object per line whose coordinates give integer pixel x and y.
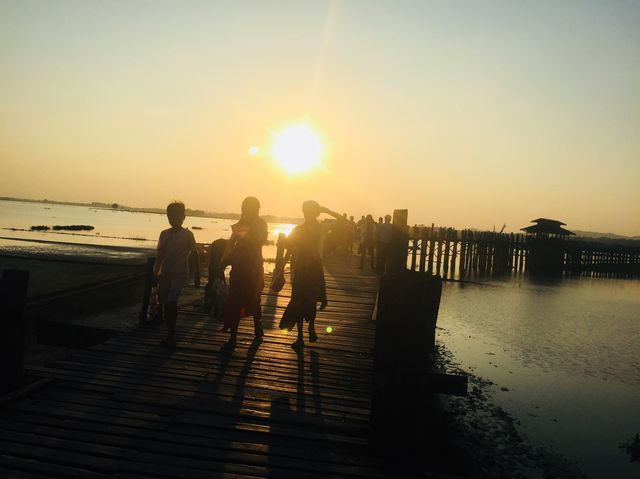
{"type": "Point", "coordinates": [359, 232]}
{"type": "Point", "coordinates": [334, 232]}
{"type": "Point", "coordinates": [368, 240]}
{"type": "Point", "coordinates": [307, 274]}
{"type": "Point", "coordinates": [384, 241]}
{"type": "Point", "coordinates": [175, 247]}
{"type": "Point", "coordinates": [352, 233]}
{"type": "Point", "coordinates": [344, 232]}
{"type": "Point", "coordinates": [246, 279]}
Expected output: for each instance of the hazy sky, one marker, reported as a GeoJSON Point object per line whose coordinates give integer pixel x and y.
{"type": "Point", "coordinates": [468, 113]}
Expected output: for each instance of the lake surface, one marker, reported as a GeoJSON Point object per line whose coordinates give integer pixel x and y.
{"type": "Point", "coordinates": [127, 231]}
{"type": "Point", "coordinates": [568, 352]}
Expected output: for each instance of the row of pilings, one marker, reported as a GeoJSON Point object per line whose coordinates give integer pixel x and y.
{"type": "Point", "coordinates": [453, 253]}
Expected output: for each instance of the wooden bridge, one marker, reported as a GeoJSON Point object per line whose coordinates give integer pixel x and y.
{"type": "Point", "coordinates": [454, 253]}
{"type": "Point", "coordinates": [130, 408]}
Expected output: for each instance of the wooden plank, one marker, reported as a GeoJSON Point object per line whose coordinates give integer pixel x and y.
{"type": "Point", "coordinates": [130, 408]}
{"type": "Point", "coordinates": [13, 298]}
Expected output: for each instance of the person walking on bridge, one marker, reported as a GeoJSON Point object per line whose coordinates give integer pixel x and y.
{"type": "Point", "coordinates": [307, 273]}
{"type": "Point", "coordinates": [246, 280]}
{"type": "Point", "coordinates": [368, 237]}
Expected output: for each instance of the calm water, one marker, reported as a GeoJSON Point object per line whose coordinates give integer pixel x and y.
{"type": "Point", "coordinates": [568, 353]}
{"type": "Point", "coordinates": [127, 230]}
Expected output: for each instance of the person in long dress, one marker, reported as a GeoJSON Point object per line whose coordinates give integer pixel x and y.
{"type": "Point", "coordinates": [246, 279]}
{"type": "Point", "coordinates": [307, 273]}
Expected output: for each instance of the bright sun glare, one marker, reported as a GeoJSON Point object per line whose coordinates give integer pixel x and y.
{"type": "Point", "coordinates": [297, 149]}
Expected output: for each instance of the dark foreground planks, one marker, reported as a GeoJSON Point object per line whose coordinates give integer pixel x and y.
{"type": "Point", "coordinates": [128, 408]}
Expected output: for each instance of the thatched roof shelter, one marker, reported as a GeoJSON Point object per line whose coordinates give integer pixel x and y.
{"type": "Point", "coordinates": [546, 226]}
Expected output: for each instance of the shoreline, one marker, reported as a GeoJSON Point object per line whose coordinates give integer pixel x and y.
{"type": "Point", "coordinates": [160, 211]}
{"type": "Point", "coordinates": [129, 249]}
{"type": "Point", "coordinates": [489, 435]}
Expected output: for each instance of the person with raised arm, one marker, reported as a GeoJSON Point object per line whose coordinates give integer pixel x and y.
{"type": "Point", "coordinates": [307, 273]}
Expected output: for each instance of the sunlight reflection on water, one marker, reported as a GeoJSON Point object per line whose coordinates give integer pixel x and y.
{"type": "Point", "coordinates": [132, 231]}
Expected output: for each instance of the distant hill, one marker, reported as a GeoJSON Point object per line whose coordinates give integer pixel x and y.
{"type": "Point", "coordinates": [594, 234]}
{"type": "Point", "coordinates": [608, 238]}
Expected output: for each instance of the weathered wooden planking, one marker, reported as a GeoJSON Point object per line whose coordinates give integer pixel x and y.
{"type": "Point", "coordinates": [129, 408]}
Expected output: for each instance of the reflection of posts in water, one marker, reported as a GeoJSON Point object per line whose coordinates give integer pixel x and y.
{"type": "Point", "coordinates": [13, 298]}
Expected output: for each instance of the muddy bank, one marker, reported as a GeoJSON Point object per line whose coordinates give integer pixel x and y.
{"type": "Point", "coordinates": [493, 446]}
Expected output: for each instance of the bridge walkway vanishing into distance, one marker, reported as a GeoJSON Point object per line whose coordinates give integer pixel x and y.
{"type": "Point", "coordinates": [130, 408]}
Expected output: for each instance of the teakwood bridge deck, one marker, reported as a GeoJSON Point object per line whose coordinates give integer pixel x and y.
{"type": "Point", "coordinates": [130, 408]}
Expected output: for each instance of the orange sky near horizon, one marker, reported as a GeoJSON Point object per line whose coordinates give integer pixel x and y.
{"type": "Point", "coordinates": [466, 115]}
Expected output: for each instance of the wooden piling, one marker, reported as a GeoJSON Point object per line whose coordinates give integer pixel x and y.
{"type": "Point", "coordinates": [447, 245]}
{"type": "Point", "coordinates": [463, 252]}
{"type": "Point", "coordinates": [146, 295]}
{"type": "Point", "coordinates": [13, 298]}
{"type": "Point", "coordinates": [406, 314]}
{"type": "Point", "coordinates": [454, 252]}
{"type": "Point", "coordinates": [414, 247]}
{"type": "Point", "coordinates": [489, 252]}
{"type": "Point", "coordinates": [431, 248]}
{"type": "Point", "coordinates": [439, 251]}
{"type": "Point", "coordinates": [423, 249]}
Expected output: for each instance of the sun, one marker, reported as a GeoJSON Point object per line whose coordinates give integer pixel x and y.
{"type": "Point", "coordinates": [297, 149]}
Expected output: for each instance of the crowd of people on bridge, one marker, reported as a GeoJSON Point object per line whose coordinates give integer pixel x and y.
{"type": "Point", "coordinates": [305, 246]}
{"type": "Point", "coordinates": [366, 237]}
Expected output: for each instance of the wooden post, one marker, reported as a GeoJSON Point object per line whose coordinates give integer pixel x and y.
{"type": "Point", "coordinates": [482, 250]}
{"type": "Point", "coordinates": [439, 252]}
{"type": "Point", "coordinates": [148, 282]}
{"type": "Point", "coordinates": [473, 263]}
{"type": "Point", "coordinates": [423, 249]}
{"type": "Point", "coordinates": [414, 247]}
{"type": "Point", "coordinates": [463, 252]}
{"type": "Point", "coordinates": [454, 253]}
{"type": "Point", "coordinates": [407, 311]}
{"type": "Point", "coordinates": [445, 269]}
{"type": "Point", "coordinates": [13, 298]}
{"type": "Point", "coordinates": [510, 253]}
{"type": "Point", "coordinates": [431, 248]}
